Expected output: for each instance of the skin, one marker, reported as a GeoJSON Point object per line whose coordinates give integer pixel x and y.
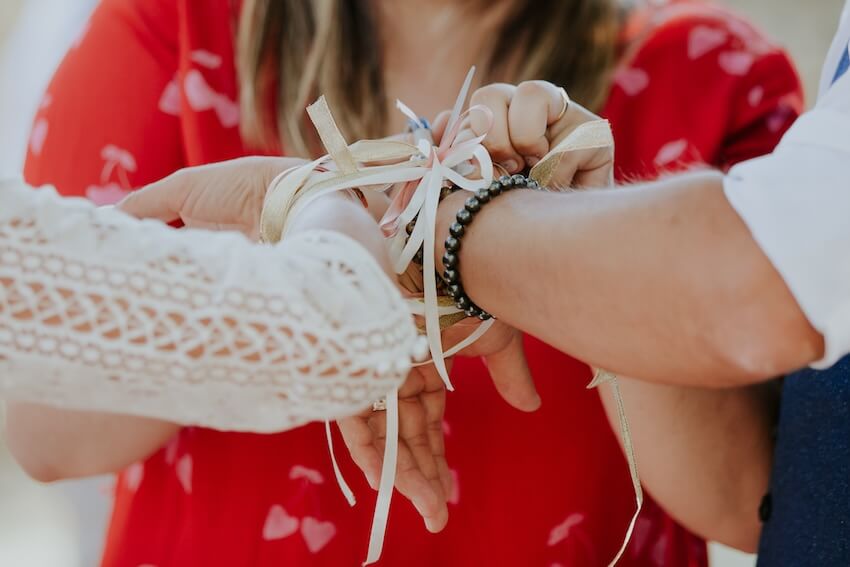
{"type": "Point", "coordinates": [54, 444]}
{"type": "Point", "coordinates": [41, 438]}
{"type": "Point", "coordinates": [720, 316]}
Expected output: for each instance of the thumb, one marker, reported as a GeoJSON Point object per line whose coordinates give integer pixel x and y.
{"type": "Point", "coordinates": [512, 377]}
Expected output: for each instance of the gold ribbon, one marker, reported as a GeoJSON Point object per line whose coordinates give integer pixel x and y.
{"type": "Point", "coordinates": [402, 162]}
{"type": "Point", "coordinates": [600, 378]}
{"type": "Point", "coordinates": [590, 135]}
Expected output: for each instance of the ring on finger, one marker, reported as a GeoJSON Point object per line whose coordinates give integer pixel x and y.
{"type": "Point", "coordinates": [566, 99]}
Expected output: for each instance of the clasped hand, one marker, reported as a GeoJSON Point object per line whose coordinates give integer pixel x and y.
{"type": "Point", "coordinates": [528, 120]}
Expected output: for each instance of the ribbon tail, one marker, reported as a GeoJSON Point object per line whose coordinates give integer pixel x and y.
{"type": "Point", "coordinates": [603, 377]}
{"type": "Point", "coordinates": [340, 480]}
{"type": "Point", "coordinates": [332, 138]}
{"type": "Point", "coordinates": [479, 332]}
{"type": "Point", "coordinates": [432, 318]}
{"type": "Point", "coordinates": [385, 489]}
{"type": "Point", "coordinates": [459, 102]}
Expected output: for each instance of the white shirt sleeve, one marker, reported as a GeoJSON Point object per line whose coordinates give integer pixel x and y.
{"type": "Point", "coordinates": [101, 311]}
{"type": "Point", "coordinates": [796, 203]}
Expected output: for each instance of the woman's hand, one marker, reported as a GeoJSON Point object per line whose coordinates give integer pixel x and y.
{"type": "Point", "coordinates": [528, 121]}
{"type": "Point", "coordinates": [422, 474]}
{"type": "Point", "coordinates": [222, 196]}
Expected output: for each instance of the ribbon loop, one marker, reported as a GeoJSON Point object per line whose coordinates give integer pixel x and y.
{"type": "Point", "coordinates": [417, 172]}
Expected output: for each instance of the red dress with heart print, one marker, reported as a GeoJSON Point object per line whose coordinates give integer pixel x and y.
{"type": "Point", "coordinates": [151, 87]}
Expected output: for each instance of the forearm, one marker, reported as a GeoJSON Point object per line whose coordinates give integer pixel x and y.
{"type": "Point", "coordinates": [704, 455]}
{"type": "Point", "coordinates": [662, 282]}
{"type": "Point", "coordinates": [195, 327]}
{"type": "Point", "coordinates": [54, 444]}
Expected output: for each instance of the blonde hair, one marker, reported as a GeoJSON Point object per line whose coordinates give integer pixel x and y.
{"type": "Point", "coordinates": [290, 51]}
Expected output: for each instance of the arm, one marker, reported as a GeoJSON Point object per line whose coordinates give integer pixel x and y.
{"type": "Point", "coordinates": [37, 437]}
{"type": "Point", "coordinates": [662, 282]}
{"type": "Point", "coordinates": [211, 329]}
{"type": "Point", "coordinates": [704, 454]}
{"type": "Point", "coordinates": [92, 138]}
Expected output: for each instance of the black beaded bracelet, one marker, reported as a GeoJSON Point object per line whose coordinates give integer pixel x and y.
{"type": "Point", "coordinates": [464, 217]}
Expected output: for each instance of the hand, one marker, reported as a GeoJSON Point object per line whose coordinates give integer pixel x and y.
{"type": "Point", "coordinates": [529, 120]}
{"type": "Point", "coordinates": [422, 474]}
{"type": "Point", "coordinates": [222, 196]}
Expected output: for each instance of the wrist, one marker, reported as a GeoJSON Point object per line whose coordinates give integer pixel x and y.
{"type": "Point", "coordinates": [445, 218]}
{"type": "Point", "coordinates": [458, 240]}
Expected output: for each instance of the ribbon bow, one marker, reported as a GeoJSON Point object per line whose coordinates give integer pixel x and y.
{"type": "Point", "coordinates": [422, 170]}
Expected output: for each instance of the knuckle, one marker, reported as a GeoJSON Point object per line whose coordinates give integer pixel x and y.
{"type": "Point", "coordinates": [535, 88]}
{"type": "Point", "coordinates": [499, 149]}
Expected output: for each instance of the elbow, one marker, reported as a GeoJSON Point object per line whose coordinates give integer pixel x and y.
{"type": "Point", "coordinates": [764, 355]}
{"type": "Point", "coordinates": [741, 533]}
{"type": "Point", "coordinates": [40, 459]}
{"type": "Point", "coordinates": [40, 471]}
{"type": "Point", "coordinates": [34, 464]}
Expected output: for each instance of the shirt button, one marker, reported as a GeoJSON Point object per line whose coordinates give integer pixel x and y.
{"type": "Point", "coordinates": [766, 507]}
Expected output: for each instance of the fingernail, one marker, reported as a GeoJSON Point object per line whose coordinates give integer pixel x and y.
{"type": "Point", "coordinates": [511, 166]}
{"type": "Point", "coordinates": [531, 161]}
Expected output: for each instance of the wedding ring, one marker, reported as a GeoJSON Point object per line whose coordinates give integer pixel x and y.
{"type": "Point", "coordinates": [566, 98]}
{"type": "Point", "coordinates": [380, 405]}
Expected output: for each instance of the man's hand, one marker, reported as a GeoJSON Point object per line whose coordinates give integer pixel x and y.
{"type": "Point", "coordinates": [501, 349]}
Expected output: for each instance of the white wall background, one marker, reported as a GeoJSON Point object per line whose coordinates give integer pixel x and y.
{"type": "Point", "coordinates": [61, 526]}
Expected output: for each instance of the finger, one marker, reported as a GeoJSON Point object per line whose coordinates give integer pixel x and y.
{"type": "Point", "coordinates": [425, 494]}
{"type": "Point", "coordinates": [415, 434]}
{"type": "Point", "coordinates": [534, 106]}
{"type": "Point", "coordinates": [433, 400]}
{"type": "Point", "coordinates": [360, 440]}
{"type": "Point", "coordinates": [497, 98]}
{"type": "Point", "coordinates": [161, 200]}
{"type": "Point", "coordinates": [512, 377]}
{"type": "Point", "coordinates": [575, 116]}
{"type": "Point", "coordinates": [598, 169]}
{"type": "Point", "coordinates": [592, 167]}
{"type": "Point", "coordinates": [435, 404]}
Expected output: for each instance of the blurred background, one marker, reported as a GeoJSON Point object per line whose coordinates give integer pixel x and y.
{"type": "Point", "coordinates": [62, 525]}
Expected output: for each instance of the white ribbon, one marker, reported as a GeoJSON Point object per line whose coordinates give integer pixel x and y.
{"type": "Point", "coordinates": [431, 168]}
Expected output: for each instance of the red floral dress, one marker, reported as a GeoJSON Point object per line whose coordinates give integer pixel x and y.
{"type": "Point", "coordinates": [151, 87]}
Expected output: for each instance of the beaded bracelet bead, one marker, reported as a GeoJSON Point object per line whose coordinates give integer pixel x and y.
{"type": "Point", "coordinates": [464, 217]}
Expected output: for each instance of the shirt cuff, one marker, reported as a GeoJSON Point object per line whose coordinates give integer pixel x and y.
{"type": "Point", "coordinates": [795, 203]}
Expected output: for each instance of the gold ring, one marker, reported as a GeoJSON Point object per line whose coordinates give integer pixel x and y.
{"type": "Point", "coordinates": [566, 98]}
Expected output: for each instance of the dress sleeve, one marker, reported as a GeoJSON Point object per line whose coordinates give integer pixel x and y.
{"type": "Point", "coordinates": [109, 121]}
{"type": "Point", "coordinates": [104, 312]}
{"type": "Point", "coordinates": [703, 86]}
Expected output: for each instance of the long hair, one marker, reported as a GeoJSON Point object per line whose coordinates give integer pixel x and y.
{"type": "Point", "coordinates": [290, 51]}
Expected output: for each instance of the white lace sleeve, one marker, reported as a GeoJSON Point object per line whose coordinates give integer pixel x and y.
{"type": "Point", "coordinates": [101, 311]}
